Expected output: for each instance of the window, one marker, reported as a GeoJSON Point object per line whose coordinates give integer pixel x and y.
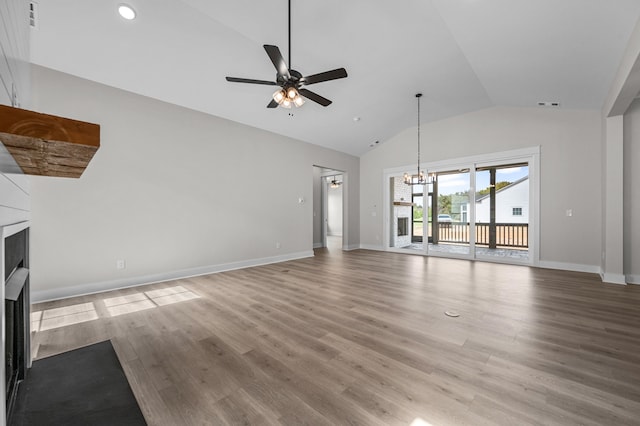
{"type": "Point", "coordinates": [517, 211]}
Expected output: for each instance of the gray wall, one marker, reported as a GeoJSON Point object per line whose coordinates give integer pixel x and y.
{"type": "Point", "coordinates": [632, 193]}
{"type": "Point", "coordinates": [570, 169]}
{"type": "Point", "coordinates": [171, 191]}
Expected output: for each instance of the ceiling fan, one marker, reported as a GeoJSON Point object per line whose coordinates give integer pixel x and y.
{"type": "Point", "coordinates": [291, 82]}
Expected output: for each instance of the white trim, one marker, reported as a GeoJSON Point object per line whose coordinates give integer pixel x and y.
{"type": "Point", "coordinates": [317, 245]}
{"type": "Point", "coordinates": [324, 190]}
{"type": "Point", "coordinates": [98, 287]}
{"type": "Point", "coordinates": [495, 158]}
{"type": "Point", "coordinates": [372, 247]}
{"type": "Point", "coordinates": [613, 278]}
{"type": "Point", "coordinates": [633, 279]}
{"type": "Point", "coordinates": [7, 231]}
{"type": "Point", "coordinates": [575, 267]}
{"type": "Point", "coordinates": [351, 247]}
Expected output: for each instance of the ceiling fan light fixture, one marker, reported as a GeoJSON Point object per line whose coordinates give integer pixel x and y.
{"type": "Point", "coordinates": [334, 183]}
{"type": "Point", "coordinates": [290, 80]}
{"type": "Point", "coordinates": [298, 101]}
{"type": "Point", "coordinates": [279, 96]}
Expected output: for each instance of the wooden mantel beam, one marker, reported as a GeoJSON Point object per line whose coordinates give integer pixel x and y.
{"type": "Point", "coordinates": [47, 145]}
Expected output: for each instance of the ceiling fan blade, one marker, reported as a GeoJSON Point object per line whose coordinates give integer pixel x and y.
{"type": "Point", "coordinates": [278, 60]}
{"type": "Point", "coordinates": [272, 104]}
{"type": "Point", "coordinates": [324, 76]}
{"type": "Point", "coordinates": [248, 80]}
{"type": "Point", "coordinates": [314, 97]}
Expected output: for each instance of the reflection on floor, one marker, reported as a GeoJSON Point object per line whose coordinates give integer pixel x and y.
{"type": "Point", "coordinates": [503, 253]}
{"type": "Point", "coordinates": [48, 319]}
{"type": "Point", "coordinates": [61, 317]}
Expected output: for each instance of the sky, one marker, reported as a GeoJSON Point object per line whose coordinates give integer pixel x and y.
{"type": "Point", "coordinates": [452, 183]}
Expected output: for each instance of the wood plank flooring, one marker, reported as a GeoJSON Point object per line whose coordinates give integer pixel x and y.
{"type": "Point", "coordinates": [360, 338]}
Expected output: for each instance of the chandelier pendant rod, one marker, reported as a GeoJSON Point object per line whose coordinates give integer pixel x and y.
{"type": "Point", "coordinates": [418, 95]}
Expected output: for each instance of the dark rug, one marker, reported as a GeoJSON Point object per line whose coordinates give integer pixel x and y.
{"type": "Point", "coordinates": [82, 387]}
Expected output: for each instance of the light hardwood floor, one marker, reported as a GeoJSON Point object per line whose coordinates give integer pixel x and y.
{"type": "Point", "coordinates": [361, 338]}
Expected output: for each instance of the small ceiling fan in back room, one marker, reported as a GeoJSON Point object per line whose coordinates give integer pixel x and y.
{"type": "Point", "coordinates": [291, 82]}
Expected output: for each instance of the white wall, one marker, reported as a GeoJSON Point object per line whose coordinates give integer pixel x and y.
{"type": "Point", "coordinates": [14, 74]}
{"type": "Point", "coordinates": [334, 210]}
{"type": "Point", "coordinates": [14, 52]}
{"type": "Point", "coordinates": [570, 172]}
{"type": "Point", "coordinates": [170, 191]}
{"type": "Point", "coordinates": [14, 188]}
{"type": "Point", "coordinates": [632, 193]}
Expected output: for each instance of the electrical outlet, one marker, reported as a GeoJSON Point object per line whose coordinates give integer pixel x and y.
{"type": "Point", "coordinates": [569, 212]}
{"type": "Point", "coordinates": [120, 264]}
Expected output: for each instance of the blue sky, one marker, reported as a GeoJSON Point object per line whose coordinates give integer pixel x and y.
{"type": "Point", "coordinates": [450, 184]}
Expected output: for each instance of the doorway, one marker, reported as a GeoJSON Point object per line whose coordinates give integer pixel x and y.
{"type": "Point", "coordinates": [329, 207]}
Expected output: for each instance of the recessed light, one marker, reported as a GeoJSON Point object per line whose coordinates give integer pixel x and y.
{"type": "Point", "coordinates": [127, 12]}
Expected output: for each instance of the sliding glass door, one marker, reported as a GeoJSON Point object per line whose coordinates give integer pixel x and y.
{"type": "Point", "coordinates": [502, 211]}
{"type": "Point", "coordinates": [448, 213]}
{"type": "Point", "coordinates": [475, 208]}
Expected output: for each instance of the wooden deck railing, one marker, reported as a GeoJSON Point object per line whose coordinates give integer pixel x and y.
{"type": "Point", "coordinates": [507, 234]}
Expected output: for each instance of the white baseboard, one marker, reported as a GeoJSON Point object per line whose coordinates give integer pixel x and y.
{"type": "Point", "coordinates": [98, 287]}
{"type": "Point", "coordinates": [371, 247]}
{"type": "Point", "coordinates": [613, 278]}
{"type": "Point", "coordinates": [317, 245]}
{"type": "Point", "coordinates": [575, 267]}
{"type": "Point", "coordinates": [633, 279]}
{"type": "Point", "coordinates": [351, 247]}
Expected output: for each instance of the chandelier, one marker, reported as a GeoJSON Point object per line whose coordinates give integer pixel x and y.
{"type": "Point", "coordinates": [420, 178]}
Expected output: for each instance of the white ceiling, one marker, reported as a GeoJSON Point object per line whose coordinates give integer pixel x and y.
{"type": "Point", "coordinates": [463, 55]}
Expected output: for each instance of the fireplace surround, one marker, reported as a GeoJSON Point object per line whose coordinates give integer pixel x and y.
{"type": "Point", "coordinates": [14, 255]}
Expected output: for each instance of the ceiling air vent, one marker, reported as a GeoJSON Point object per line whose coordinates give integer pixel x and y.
{"type": "Point", "coordinates": [549, 104]}
{"type": "Point", "coordinates": [33, 14]}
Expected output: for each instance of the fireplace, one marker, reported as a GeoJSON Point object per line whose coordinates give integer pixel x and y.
{"type": "Point", "coordinates": [403, 226]}
{"type": "Point", "coordinates": [17, 356]}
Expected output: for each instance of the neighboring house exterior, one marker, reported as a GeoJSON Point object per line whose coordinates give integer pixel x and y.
{"type": "Point", "coordinates": [512, 204]}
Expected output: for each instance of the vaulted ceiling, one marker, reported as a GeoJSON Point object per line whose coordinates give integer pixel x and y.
{"type": "Point", "coordinates": [463, 55]}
